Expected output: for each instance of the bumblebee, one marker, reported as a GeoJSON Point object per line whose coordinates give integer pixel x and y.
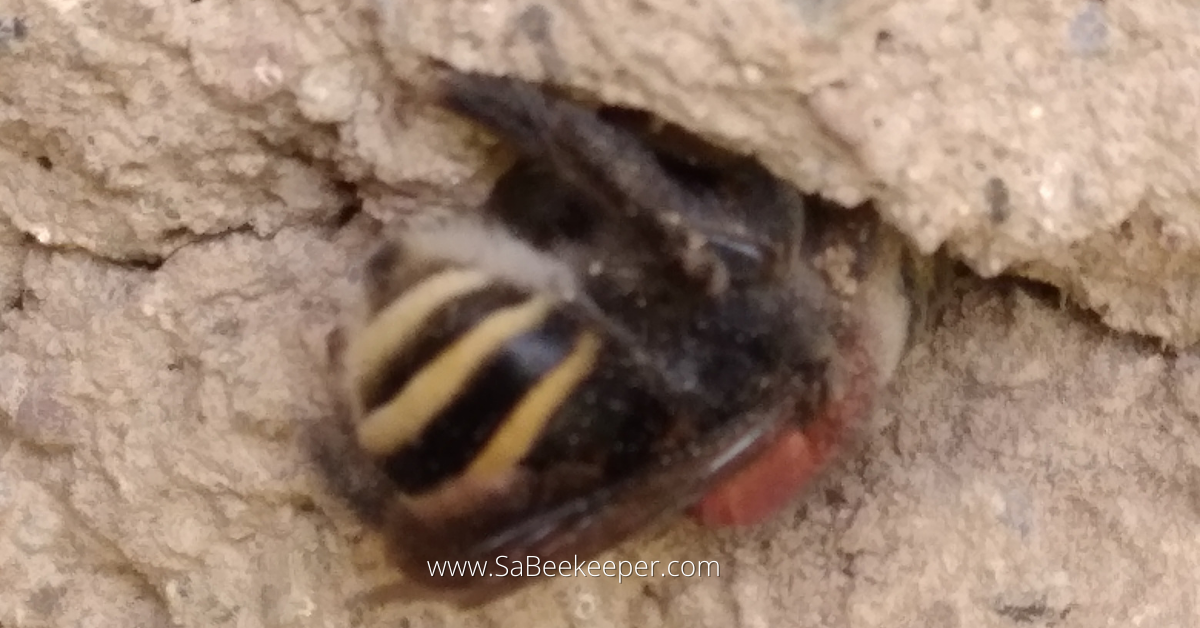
{"type": "Point", "coordinates": [625, 331]}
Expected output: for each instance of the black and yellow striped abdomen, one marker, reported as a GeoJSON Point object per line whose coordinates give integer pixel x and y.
{"type": "Point", "coordinates": [459, 375]}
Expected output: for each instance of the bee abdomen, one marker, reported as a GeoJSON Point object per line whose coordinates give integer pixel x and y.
{"type": "Point", "coordinates": [460, 374]}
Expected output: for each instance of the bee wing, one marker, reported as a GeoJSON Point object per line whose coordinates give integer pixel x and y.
{"type": "Point", "coordinates": [579, 529]}
{"type": "Point", "coordinates": [597, 521]}
{"type": "Point", "coordinates": [607, 165]}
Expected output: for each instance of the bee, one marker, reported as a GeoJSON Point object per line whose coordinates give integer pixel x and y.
{"type": "Point", "coordinates": [624, 332]}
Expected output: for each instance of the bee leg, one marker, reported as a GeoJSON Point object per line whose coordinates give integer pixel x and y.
{"type": "Point", "coordinates": [330, 445]}
{"type": "Point", "coordinates": [611, 168]}
{"type": "Point", "coordinates": [357, 483]}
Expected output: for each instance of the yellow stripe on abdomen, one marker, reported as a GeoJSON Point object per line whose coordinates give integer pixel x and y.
{"type": "Point", "coordinates": [520, 429]}
{"type": "Point", "coordinates": [436, 385]}
{"type": "Point", "coordinates": [404, 318]}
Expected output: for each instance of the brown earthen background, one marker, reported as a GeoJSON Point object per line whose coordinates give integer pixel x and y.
{"type": "Point", "coordinates": [171, 175]}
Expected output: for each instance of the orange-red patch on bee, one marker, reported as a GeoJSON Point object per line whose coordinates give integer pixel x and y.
{"type": "Point", "coordinates": [796, 455]}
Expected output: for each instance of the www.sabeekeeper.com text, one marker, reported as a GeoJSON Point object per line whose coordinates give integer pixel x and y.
{"type": "Point", "coordinates": [532, 566]}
